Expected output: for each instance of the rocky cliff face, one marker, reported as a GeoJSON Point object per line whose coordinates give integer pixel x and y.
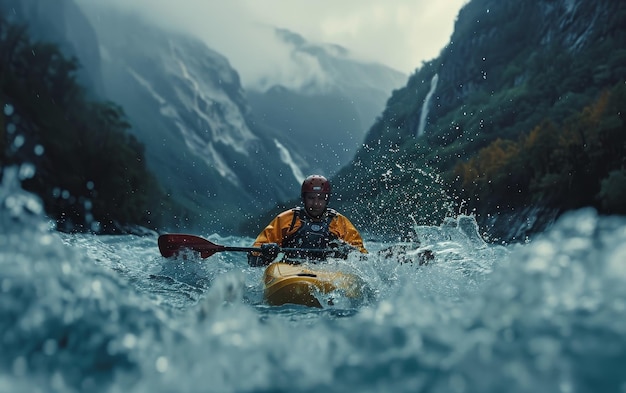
{"type": "Point", "coordinates": [469, 62]}
{"type": "Point", "coordinates": [187, 105]}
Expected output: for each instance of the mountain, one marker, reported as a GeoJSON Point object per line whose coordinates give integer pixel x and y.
{"type": "Point", "coordinates": [187, 106]}
{"type": "Point", "coordinates": [330, 115]}
{"type": "Point", "coordinates": [515, 125]}
{"type": "Point", "coordinates": [215, 146]}
{"type": "Point", "coordinates": [220, 152]}
{"type": "Point", "coordinates": [521, 122]}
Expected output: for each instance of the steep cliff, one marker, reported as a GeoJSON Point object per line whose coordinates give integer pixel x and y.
{"type": "Point", "coordinates": [509, 67]}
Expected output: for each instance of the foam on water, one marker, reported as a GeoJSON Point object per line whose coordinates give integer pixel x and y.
{"type": "Point", "coordinates": [108, 313]}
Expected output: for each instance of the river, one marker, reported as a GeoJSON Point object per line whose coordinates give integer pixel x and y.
{"type": "Point", "coordinates": [87, 313]}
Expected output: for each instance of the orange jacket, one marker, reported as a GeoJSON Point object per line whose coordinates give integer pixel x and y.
{"type": "Point", "coordinates": [277, 230]}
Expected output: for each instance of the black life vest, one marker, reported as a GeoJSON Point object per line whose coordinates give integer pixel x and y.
{"type": "Point", "coordinates": [312, 234]}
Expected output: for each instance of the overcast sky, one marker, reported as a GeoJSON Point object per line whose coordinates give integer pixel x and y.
{"type": "Point", "coordinates": [398, 33]}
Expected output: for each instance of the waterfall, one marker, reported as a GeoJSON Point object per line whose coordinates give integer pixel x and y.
{"type": "Point", "coordinates": [426, 104]}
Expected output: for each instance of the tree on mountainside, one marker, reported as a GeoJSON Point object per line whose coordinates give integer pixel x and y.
{"type": "Point", "coordinates": [90, 172]}
{"type": "Point", "coordinates": [580, 163]}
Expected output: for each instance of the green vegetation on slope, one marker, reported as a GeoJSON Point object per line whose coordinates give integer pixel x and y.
{"type": "Point", "coordinates": [508, 102]}
{"type": "Point", "coordinates": [579, 163]}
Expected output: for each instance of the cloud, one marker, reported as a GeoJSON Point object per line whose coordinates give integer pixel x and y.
{"type": "Point", "coordinates": [398, 33]}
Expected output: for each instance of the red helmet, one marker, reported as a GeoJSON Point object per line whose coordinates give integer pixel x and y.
{"type": "Point", "coordinates": [315, 183]}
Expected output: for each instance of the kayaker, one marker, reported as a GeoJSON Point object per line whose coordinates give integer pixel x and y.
{"type": "Point", "coordinates": [314, 226]}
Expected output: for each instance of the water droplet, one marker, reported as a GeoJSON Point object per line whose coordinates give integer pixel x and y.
{"type": "Point", "coordinates": [162, 364]}
{"type": "Point", "coordinates": [27, 171]}
{"type": "Point", "coordinates": [18, 141]}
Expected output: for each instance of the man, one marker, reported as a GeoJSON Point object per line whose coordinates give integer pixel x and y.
{"type": "Point", "coordinates": [312, 227]}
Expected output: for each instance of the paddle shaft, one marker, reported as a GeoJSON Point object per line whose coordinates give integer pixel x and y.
{"type": "Point", "coordinates": [281, 249]}
{"type": "Point", "coordinates": [171, 244]}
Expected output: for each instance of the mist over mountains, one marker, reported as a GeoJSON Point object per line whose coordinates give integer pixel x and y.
{"type": "Point", "coordinates": [218, 150]}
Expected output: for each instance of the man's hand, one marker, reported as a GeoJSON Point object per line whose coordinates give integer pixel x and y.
{"type": "Point", "coordinates": [340, 249]}
{"type": "Point", "coordinates": [270, 251]}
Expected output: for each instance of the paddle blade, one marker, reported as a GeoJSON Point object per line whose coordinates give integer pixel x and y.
{"type": "Point", "coordinates": [172, 243]}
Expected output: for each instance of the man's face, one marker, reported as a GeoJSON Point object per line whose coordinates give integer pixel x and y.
{"type": "Point", "coordinates": [315, 203]}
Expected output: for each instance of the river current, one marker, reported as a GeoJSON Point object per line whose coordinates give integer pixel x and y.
{"type": "Point", "coordinates": [87, 313]}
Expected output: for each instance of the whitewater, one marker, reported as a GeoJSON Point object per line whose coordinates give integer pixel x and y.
{"type": "Point", "coordinates": [89, 313]}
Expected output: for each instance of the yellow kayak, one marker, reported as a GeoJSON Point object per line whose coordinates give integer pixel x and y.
{"type": "Point", "coordinates": [298, 284]}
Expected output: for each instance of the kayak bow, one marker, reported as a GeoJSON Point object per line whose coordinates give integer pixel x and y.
{"type": "Point", "coordinates": [298, 284]}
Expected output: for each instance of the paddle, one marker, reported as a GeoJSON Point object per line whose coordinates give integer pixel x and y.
{"type": "Point", "coordinates": [172, 243]}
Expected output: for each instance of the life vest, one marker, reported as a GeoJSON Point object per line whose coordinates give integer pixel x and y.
{"type": "Point", "coordinates": [312, 234]}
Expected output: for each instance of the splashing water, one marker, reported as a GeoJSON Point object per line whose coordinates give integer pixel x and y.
{"type": "Point", "coordinates": [108, 313]}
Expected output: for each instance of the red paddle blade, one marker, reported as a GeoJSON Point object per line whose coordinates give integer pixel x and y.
{"type": "Point", "coordinates": [171, 244]}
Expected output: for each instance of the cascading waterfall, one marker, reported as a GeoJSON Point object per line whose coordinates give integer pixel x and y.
{"type": "Point", "coordinates": [426, 105]}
